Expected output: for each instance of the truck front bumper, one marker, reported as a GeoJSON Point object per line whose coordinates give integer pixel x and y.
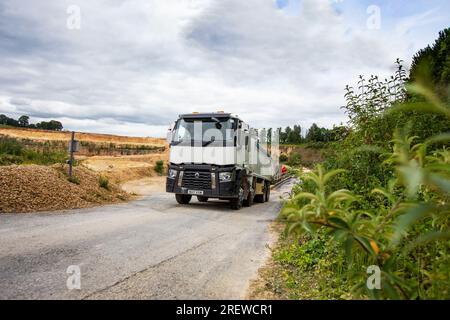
{"type": "Point", "coordinates": [201, 180]}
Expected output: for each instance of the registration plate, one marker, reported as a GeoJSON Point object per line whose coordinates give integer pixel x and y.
{"type": "Point", "coordinates": [196, 192]}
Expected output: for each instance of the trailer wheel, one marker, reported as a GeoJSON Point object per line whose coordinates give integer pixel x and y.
{"type": "Point", "coordinates": [183, 198]}
{"type": "Point", "coordinates": [202, 199]}
{"type": "Point", "coordinates": [259, 198]}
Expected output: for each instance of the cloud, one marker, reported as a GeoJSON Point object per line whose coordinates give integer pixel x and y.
{"type": "Point", "coordinates": [135, 65]}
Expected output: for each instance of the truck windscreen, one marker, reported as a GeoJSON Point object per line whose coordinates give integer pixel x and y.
{"type": "Point", "coordinates": [209, 130]}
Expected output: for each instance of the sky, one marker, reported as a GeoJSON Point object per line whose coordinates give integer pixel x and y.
{"type": "Point", "coordinates": [131, 67]}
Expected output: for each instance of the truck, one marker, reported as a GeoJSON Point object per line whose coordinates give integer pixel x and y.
{"type": "Point", "coordinates": [217, 155]}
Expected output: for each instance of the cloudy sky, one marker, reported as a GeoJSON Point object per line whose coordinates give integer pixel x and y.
{"type": "Point", "coordinates": [131, 66]}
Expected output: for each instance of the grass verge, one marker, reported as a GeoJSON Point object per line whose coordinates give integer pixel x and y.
{"type": "Point", "coordinates": [301, 269]}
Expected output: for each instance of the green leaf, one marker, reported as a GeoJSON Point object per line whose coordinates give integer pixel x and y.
{"type": "Point", "coordinates": [306, 195]}
{"type": "Point", "coordinates": [425, 107]}
{"type": "Point", "coordinates": [339, 223]}
{"type": "Point", "coordinates": [413, 176]}
{"type": "Point", "coordinates": [440, 182]}
{"type": "Point", "coordinates": [365, 244]}
{"type": "Point", "coordinates": [341, 195]}
{"type": "Point", "coordinates": [426, 238]}
{"type": "Point", "coordinates": [331, 174]}
{"type": "Point", "coordinates": [348, 245]}
{"type": "Point", "coordinates": [385, 193]}
{"type": "Point", "coordinates": [390, 291]}
{"type": "Point", "coordinates": [408, 218]}
{"type": "Point", "coordinates": [438, 138]}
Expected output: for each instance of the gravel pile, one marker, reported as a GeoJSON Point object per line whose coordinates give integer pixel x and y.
{"type": "Point", "coordinates": [45, 188]}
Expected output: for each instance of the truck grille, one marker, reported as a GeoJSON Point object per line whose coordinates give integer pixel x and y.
{"type": "Point", "coordinates": [197, 180]}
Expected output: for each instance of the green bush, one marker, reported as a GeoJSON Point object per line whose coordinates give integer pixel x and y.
{"type": "Point", "coordinates": [159, 167]}
{"type": "Point", "coordinates": [283, 157]}
{"type": "Point", "coordinates": [295, 159]}
{"type": "Point", "coordinates": [103, 182]}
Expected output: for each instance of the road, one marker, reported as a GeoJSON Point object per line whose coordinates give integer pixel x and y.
{"type": "Point", "coordinates": [150, 248]}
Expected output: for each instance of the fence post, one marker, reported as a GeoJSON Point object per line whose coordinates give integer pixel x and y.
{"type": "Point", "coordinates": [72, 146]}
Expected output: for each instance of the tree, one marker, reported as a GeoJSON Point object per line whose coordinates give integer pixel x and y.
{"type": "Point", "coordinates": [288, 133]}
{"type": "Point", "coordinates": [50, 125]}
{"type": "Point", "coordinates": [56, 125]}
{"type": "Point", "coordinates": [296, 135]}
{"type": "Point", "coordinates": [314, 134]}
{"type": "Point", "coordinates": [431, 66]}
{"type": "Point", "coordinates": [24, 121]}
{"type": "Point", "coordinates": [3, 119]}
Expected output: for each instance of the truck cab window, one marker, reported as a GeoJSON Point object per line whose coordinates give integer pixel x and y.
{"type": "Point", "coordinates": [211, 129]}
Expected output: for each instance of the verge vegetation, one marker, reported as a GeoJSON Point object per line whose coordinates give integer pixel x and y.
{"type": "Point", "coordinates": [381, 196]}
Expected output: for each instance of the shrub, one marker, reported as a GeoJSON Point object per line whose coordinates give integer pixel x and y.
{"type": "Point", "coordinates": [283, 157]}
{"type": "Point", "coordinates": [103, 182]}
{"type": "Point", "coordinates": [295, 159]}
{"type": "Point", "coordinates": [159, 167]}
{"type": "Point", "coordinates": [405, 233]}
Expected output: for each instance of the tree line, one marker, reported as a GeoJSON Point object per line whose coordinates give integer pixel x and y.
{"type": "Point", "coordinates": [24, 122]}
{"type": "Point", "coordinates": [315, 133]}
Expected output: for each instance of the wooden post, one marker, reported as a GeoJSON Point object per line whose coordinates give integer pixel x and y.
{"type": "Point", "coordinates": [71, 146]}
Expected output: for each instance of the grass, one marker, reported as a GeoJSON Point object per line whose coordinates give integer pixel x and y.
{"type": "Point", "coordinates": [74, 179]}
{"type": "Point", "coordinates": [304, 269]}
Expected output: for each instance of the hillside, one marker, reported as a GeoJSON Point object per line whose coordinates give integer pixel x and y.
{"type": "Point", "coordinates": [40, 135]}
{"type": "Point", "coordinates": [33, 173]}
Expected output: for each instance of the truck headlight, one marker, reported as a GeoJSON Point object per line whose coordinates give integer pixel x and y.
{"type": "Point", "coordinates": [172, 173]}
{"type": "Point", "coordinates": [225, 176]}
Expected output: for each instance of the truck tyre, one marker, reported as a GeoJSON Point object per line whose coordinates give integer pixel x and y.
{"type": "Point", "coordinates": [259, 198]}
{"type": "Point", "coordinates": [249, 201]}
{"type": "Point", "coordinates": [202, 199]}
{"type": "Point", "coordinates": [236, 203]}
{"type": "Point", "coordinates": [183, 198]}
{"type": "Point", "coordinates": [267, 192]}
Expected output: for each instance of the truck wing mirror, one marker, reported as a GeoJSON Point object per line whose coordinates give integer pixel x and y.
{"type": "Point", "coordinates": [170, 133]}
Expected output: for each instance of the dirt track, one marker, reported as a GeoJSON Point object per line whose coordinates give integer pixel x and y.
{"type": "Point", "coordinates": [152, 248]}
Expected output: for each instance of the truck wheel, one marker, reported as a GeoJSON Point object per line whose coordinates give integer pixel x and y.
{"type": "Point", "coordinates": [202, 199]}
{"type": "Point", "coordinates": [267, 192]}
{"type": "Point", "coordinates": [183, 198]}
{"type": "Point", "coordinates": [249, 201]}
{"type": "Point", "coordinates": [236, 204]}
{"type": "Point", "coordinates": [259, 198]}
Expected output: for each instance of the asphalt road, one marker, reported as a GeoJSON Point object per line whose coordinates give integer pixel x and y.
{"type": "Point", "coordinates": [151, 248]}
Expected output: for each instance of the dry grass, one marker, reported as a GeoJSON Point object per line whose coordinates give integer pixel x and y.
{"type": "Point", "coordinates": [126, 168]}
{"type": "Point", "coordinates": [42, 135]}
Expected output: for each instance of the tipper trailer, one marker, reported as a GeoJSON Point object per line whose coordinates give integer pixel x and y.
{"type": "Point", "coordinates": [217, 155]}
